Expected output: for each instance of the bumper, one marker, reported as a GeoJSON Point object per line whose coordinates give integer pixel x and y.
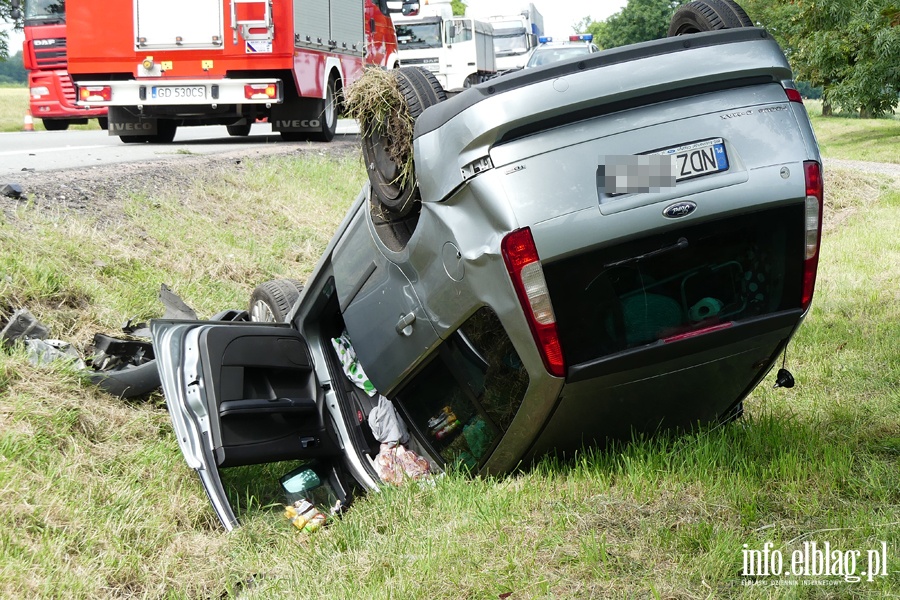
{"type": "Point", "coordinates": [195, 92]}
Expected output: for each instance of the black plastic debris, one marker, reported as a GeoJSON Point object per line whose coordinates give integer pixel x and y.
{"type": "Point", "coordinates": [122, 366]}
{"type": "Point", "coordinates": [11, 190]}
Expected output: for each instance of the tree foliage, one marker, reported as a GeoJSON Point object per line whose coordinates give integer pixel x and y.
{"type": "Point", "coordinates": [849, 48]}
{"type": "Point", "coordinates": [13, 71]}
{"type": "Point", "coordinates": [5, 19]}
{"type": "Point", "coordinates": [638, 21]}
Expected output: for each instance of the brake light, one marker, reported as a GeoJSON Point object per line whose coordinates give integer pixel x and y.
{"type": "Point", "coordinates": [790, 89]}
{"type": "Point", "coordinates": [793, 95]}
{"type": "Point", "coordinates": [261, 91]}
{"type": "Point", "coordinates": [524, 267]}
{"type": "Point", "coordinates": [813, 224]}
{"type": "Point", "coordinates": [95, 93]}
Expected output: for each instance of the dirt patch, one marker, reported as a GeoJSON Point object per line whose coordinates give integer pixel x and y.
{"type": "Point", "coordinates": [98, 191]}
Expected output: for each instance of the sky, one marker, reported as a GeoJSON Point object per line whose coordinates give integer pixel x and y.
{"type": "Point", "coordinates": [559, 16]}
{"type": "Point", "coordinates": [14, 39]}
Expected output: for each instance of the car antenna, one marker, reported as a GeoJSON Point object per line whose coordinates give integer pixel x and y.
{"type": "Point", "coordinates": [784, 378]}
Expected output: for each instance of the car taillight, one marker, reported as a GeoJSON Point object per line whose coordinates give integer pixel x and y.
{"type": "Point", "coordinates": [524, 266]}
{"type": "Point", "coordinates": [95, 93]}
{"type": "Point", "coordinates": [813, 225]}
{"type": "Point", "coordinates": [791, 90]}
{"type": "Point", "coordinates": [261, 91]}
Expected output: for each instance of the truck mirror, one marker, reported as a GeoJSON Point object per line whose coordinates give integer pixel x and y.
{"type": "Point", "coordinates": [15, 14]}
{"type": "Point", "coordinates": [15, 4]}
{"type": "Point", "coordinates": [410, 9]}
{"type": "Point", "coordinates": [451, 31]}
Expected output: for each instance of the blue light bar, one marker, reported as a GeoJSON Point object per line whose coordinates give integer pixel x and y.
{"type": "Point", "coordinates": [544, 39]}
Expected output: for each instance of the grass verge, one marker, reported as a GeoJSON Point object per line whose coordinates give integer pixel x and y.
{"type": "Point", "coordinates": [14, 105]}
{"type": "Point", "coordinates": [96, 501]}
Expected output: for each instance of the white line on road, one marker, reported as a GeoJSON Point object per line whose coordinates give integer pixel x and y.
{"type": "Point", "coordinates": [42, 150]}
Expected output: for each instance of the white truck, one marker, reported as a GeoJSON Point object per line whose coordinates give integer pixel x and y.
{"type": "Point", "coordinates": [459, 50]}
{"type": "Point", "coordinates": [517, 26]}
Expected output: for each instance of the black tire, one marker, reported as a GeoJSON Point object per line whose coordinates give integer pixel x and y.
{"type": "Point", "coordinates": [55, 124]}
{"type": "Point", "coordinates": [420, 89]}
{"type": "Point", "coordinates": [271, 301]}
{"type": "Point", "coordinates": [327, 112]}
{"type": "Point", "coordinates": [103, 122]}
{"type": "Point", "coordinates": [708, 15]}
{"type": "Point", "coordinates": [134, 139]}
{"type": "Point", "coordinates": [240, 130]}
{"type": "Point", "coordinates": [165, 132]}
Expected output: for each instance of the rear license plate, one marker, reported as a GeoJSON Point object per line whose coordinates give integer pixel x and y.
{"type": "Point", "coordinates": [178, 91]}
{"type": "Point", "coordinates": [698, 158]}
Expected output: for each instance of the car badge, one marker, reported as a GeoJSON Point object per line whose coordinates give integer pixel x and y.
{"type": "Point", "coordinates": [679, 209]}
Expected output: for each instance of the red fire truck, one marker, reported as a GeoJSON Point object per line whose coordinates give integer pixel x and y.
{"type": "Point", "coordinates": [161, 64]}
{"type": "Point", "coordinates": [52, 95]}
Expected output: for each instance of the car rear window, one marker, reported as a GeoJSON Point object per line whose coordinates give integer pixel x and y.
{"type": "Point", "coordinates": [465, 399]}
{"type": "Point", "coordinates": [687, 279]}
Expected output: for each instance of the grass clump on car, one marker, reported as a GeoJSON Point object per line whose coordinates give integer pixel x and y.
{"type": "Point", "coordinates": [376, 102]}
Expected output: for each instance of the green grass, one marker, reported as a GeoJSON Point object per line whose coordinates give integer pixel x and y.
{"type": "Point", "coordinates": [96, 501]}
{"type": "Point", "coordinates": [14, 105]}
{"type": "Point", "coordinates": [852, 138]}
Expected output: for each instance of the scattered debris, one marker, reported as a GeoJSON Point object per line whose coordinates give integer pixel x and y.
{"type": "Point", "coordinates": [395, 464]}
{"type": "Point", "coordinates": [11, 190]}
{"type": "Point", "coordinates": [122, 366]}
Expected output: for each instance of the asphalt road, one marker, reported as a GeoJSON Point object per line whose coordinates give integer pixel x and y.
{"type": "Point", "coordinates": [55, 150]}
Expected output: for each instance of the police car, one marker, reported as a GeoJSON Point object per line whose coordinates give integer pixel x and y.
{"type": "Point", "coordinates": [550, 51]}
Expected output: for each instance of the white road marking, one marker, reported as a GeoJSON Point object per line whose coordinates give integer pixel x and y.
{"type": "Point", "coordinates": [44, 150]}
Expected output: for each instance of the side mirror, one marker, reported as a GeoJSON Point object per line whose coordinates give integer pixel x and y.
{"type": "Point", "coordinates": [15, 14]}
{"type": "Point", "coordinates": [15, 4]}
{"type": "Point", "coordinates": [410, 9]}
{"type": "Point", "coordinates": [451, 31]}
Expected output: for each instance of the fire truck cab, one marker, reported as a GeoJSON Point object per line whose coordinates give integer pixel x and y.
{"type": "Point", "coordinates": [161, 64]}
{"type": "Point", "coordinates": [51, 93]}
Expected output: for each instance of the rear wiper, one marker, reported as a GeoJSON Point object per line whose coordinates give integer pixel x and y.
{"type": "Point", "coordinates": [681, 244]}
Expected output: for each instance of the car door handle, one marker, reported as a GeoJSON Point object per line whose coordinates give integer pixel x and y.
{"type": "Point", "coordinates": [404, 325]}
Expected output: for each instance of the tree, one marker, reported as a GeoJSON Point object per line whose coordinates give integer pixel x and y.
{"type": "Point", "coordinates": [459, 7]}
{"type": "Point", "coordinates": [849, 48]}
{"type": "Point", "coordinates": [5, 17]}
{"type": "Point", "coordinates": [638, 21]}
{"type": "Point", "coordinates": [12, 71]}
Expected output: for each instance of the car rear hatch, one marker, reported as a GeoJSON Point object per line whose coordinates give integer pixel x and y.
{"type": "Point", "coordinates": [673, 291]}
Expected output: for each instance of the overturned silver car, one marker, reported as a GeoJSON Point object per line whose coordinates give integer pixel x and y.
{"type": "Point", "coordinates": [613, 244]}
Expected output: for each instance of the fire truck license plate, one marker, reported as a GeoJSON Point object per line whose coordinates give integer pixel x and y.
{"type": "Point", "coordinates": [178, 91]}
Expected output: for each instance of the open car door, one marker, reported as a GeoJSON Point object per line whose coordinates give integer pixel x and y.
{"type": "Point", "coordinates": [241, 394]}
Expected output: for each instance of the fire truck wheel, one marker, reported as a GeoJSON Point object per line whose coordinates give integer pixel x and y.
{"type": "Point", "coordinates": [271, 301]}
{"type": "Point", "coordinates": [134, 139]}
{"type": "Point", "coordinates": [420, 89]}
{"type": "Point", "coordinates": [55, 124]}
{"type": "Point", "coordinates": [328, 109]}
{"type": "Point", "coordinates": [708, 15]}
{"type": "Point", "coordinates": [165, 132]}
{"type": "Point", "coordinates": [242, 130]}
